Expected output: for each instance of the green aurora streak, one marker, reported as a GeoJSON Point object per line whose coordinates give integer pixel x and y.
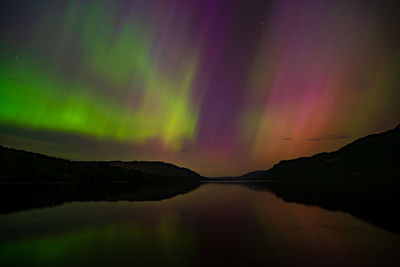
{"type": "Point", "coordinates": [156, 106]}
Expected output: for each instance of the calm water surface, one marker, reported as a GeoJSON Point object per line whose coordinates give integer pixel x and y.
{"type": "Point", "coordinates": [216, 224]}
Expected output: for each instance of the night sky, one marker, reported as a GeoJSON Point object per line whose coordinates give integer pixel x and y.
{"type": "Point", "coordinates": [219, 86]}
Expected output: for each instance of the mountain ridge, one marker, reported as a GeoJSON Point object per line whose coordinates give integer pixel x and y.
{"type": "Point", "coordinates": [19, 165]}
{"type": "Point", "coordinates": [299, 167]}
{"type": "Point", "coordinates": [361, 178]}
{"type": "Point", "coordinates": [365, 158]}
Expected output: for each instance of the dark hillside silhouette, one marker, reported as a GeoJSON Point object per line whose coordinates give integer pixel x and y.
{"type": "Point", "coordinates": [362, 178]}
{"type": "Point", "coordinates": [22, 166]}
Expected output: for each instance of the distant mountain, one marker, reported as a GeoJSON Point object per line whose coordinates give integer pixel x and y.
{"type": "Point", "coordinates": [21, 166]}
{"type": "Point", "coordinates": [362, 178]}
{"type": "Point", "coordinates": [254, 175]}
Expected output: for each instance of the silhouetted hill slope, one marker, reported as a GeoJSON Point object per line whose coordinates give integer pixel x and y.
{"type": "Point", "coordinates": [156, 168]}
{"type": "Point", "coordinates": [21, 166]}
{"type": "Point", "coordinates": [371, 157]}
{"type": "Point", "coordinates": [361, 178]}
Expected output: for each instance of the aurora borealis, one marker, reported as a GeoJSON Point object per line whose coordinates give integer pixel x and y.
{"type": "Point", "coordinates": [221, 87]}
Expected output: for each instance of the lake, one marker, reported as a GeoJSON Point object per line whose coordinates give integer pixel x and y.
{"type": "Point", "coordinates": [210, 225]}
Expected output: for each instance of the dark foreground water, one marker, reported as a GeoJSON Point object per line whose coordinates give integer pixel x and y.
{"type": "Point", "coordinates": [215, 224]}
